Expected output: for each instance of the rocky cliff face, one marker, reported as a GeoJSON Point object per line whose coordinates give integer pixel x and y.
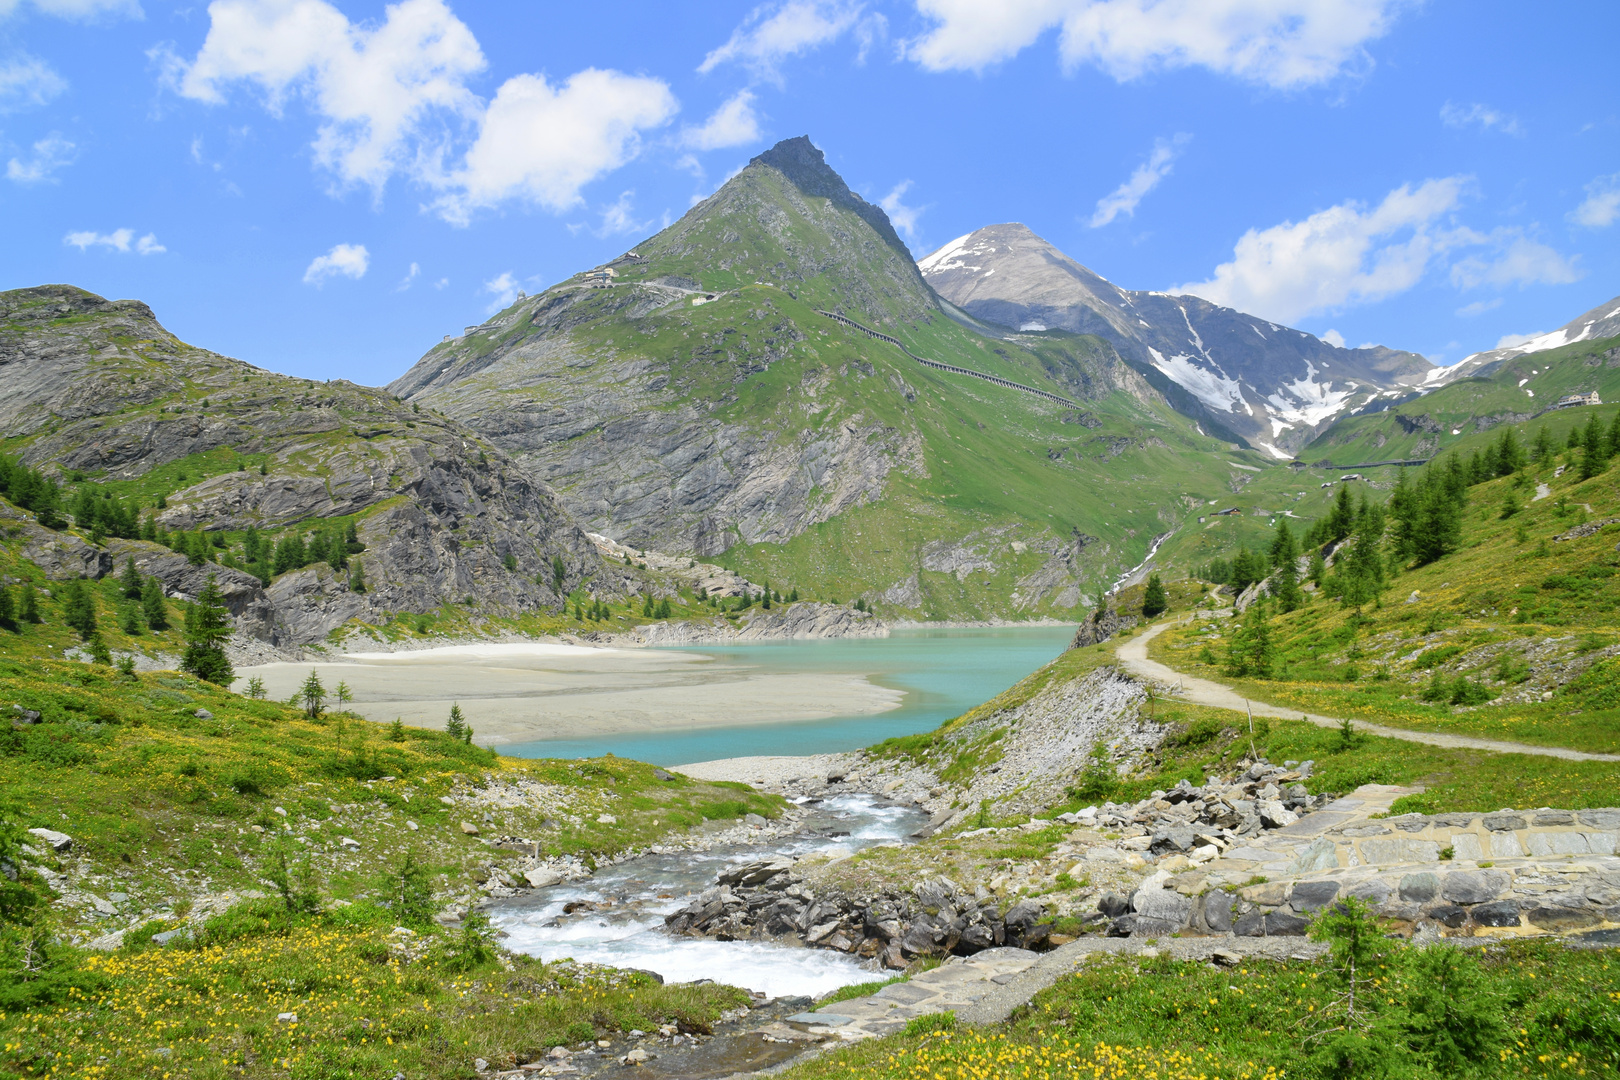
{"type": "Point", "coordinates": [99, 390]}
{"type": "Point", "coordinates": [1271, 385]}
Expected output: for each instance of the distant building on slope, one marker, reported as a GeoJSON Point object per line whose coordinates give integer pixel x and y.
{"type": "Point", "coordinates": [1572, 401]}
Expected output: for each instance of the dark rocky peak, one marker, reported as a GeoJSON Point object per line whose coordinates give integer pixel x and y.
{"type": "Point", "coordinates": [803, 163]}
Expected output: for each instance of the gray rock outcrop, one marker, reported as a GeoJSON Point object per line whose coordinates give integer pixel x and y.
{"type": "Point", "coordinates": [99, 388]}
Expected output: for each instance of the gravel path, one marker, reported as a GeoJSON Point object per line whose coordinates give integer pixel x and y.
{"type": "Point", "coordinates": [1133, 656]}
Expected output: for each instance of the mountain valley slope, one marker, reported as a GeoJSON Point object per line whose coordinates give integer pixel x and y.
{"type": "Point", "coordinates": [103, 398]}
{"type": "Point", "coordinates": [690, 397]}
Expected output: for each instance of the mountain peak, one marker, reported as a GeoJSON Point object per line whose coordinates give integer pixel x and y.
{"type": "Point", "coordinates": [805, 166]}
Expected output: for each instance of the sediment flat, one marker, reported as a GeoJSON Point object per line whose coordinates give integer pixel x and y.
{"type": "Point", "coordinates": [523, 691]}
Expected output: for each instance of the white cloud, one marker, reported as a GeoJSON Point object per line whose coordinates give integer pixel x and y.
{"type": "Point", "coordinates": [379, 89]}
{"type": "Point", "coordinates": [1345, 254]}
{"type": "Point", "coordinates": [1333, 337]}
{"type": "Point", "coordinates": [50, 153]}
{"type": "Point", "coordinates": [733, 124]}
{"type": "Point", "coordinates": [772, 33]}
{"type": "Point", "coordinates": [118, 239]}
{"type": "Point", "coordinates": [122, 240]}
{"type": "Point", "coordinates": [1512, 341]}
{"type": "Point", "coordinates": [619, 219]}
{"type": "Point", "coordinates": [541, 144]}
{"type": "Point", "coordinates": [1123, 199]}
{"type": "Point", "coordinates": [349, 260]}
{"type": "Point", "coordinates": [27, 82]}
{"type": "Point", "coordinates": [1479, 307]}
{"type": "Point", "coordinates": [1461, 116]}
{"type": "Point", "coordinates": [393, 99]}
{"type": "Point", "coordinates": [77, 10]}
{"type": "Point", "coordinates": [441, 283]}
{"type": "Point", "coordinates": [1278, 43]}
{"type": "Point", "coordinates": [410, 276]}
{"type": "Point", "coordinates": [902, 216]}
{"type": "Point", "coordinates": [1602, 204]}
{"type": "Point", "coordinates": [1516, 260]}
{"type": "Point", "coordinates": [506, 292]}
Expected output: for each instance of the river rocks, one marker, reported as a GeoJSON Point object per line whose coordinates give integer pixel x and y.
{"type": "Point", "coordinates": [767, 900]}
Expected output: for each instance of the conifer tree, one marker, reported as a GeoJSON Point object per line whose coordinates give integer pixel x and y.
{"type": "Point", "coordinates": [1509, 456]}
{"type": "Point", "coordinates": [1542, 450]}
{"type": "Point", "coordinates": [1614, 436]}
{"type": "Point", "coordinates": [1284, 550]}
{"type": "Point", "coordinates": [313, 695]}
{"type": "Point", "coordinates": [30, 604]}
{"type": "Point", "coordinates": [456, 726]}
{"type": "Point", "coordinates": [1286, 591]}
{"type": "Point", "coordinates": [208, 625]}
{"type": "Point", "coordinates": [152, 605]}
{"type": "Point", "coordinates": [1154, 601]}
{"type": "Point", "coordinates": [1251, 652]}
{"type": "Point", "coordinates": [131, 580]}
{"type": "Point", "coordinates": [1594, 449]}
{"type": "Point", "coordinates": [79, 608]}
{"type": "Point", "coordinates": [1247, 569]}
{"type": "Point", "coordinates": [8, 610]}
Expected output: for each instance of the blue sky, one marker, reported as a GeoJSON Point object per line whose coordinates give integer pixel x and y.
{"type": "Point", "coordinates": [327, 188]}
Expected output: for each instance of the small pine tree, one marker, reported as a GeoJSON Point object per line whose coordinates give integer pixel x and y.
{"type": "Point", "coordinates": [30, 605]}
{"type": "Point", "coordinates": [558, 572]}
{"type": "Point", "coordinates": [79, 608]}
{"type": "Point", "coordinates": [313, 695]}
{"type": "Point", "coordinates": [97, 648]}
{"type": "Point", "coordinates": [129, 619]}
{"type": "Point", "coordinates": [456, 726]}
{"type": "Point", "coordinates": [793, 597]}
{"type": "Point", "coordinates": [255, 688]}
{"type": "Point", "coordinates": [1594, 450]}
{"type": "Point", "coordinates": [1288, 594]}
{"type": "Point", "coordinates": [663, 611]}
{"type": "Point", "coordinates": [130, 579]}
{"type": "Point", "coordinates": [8, 610]}
{"type": "Point", "coordinates": [208, 625]}
{"type": "Point", "coordinates": [1154, 602]}
{"type": "Point", "coordinates": [1542, 450]}
{"type": "Point", "coordinates": [153, 606]}
{"type": "Point", "coordinates": [396, 730]}
{"type": "Point", "coordinates": [647, 606]}
{"type": "Point", "coordinates": [357, 578]}
{"type": "Point", "coordinates": [1284, 550]}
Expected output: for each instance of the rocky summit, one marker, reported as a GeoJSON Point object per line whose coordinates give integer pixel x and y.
{"type": "Point", "coordinates": [1240, 375]}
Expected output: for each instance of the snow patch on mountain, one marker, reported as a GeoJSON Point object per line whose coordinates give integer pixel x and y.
{"type": "Point", "coordinates": [953, 255]}
{"type": "Point", "coordinates": [1305, 401]}
{"type": "Point", "coordinates": [1213, 388]}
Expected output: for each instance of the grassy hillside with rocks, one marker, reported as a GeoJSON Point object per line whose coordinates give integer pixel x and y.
{"type": "Point", "coordinates": [214, 884]}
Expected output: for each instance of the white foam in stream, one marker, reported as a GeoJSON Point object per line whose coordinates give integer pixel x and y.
{"type": "Point", "coordinates": [629, 933]}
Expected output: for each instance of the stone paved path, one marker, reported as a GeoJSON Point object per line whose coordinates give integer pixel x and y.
{"type": "Point", "coordinates": [1133, 657]}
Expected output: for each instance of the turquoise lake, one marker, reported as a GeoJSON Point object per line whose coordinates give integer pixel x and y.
{"type": "Point", "coordinates": [943, 673]}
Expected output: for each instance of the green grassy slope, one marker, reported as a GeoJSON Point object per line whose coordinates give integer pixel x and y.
{"type": "Point", "coordinates": [1444, 419]}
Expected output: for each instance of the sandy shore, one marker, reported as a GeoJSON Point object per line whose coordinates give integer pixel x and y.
{"type": "Point", "coordinates": [520, 692]}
